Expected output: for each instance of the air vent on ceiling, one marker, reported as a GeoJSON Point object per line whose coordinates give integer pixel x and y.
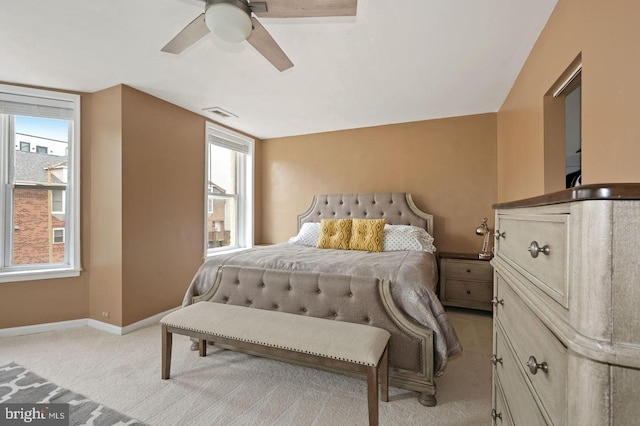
{"type": "Point", "coordinates": [220, 112]}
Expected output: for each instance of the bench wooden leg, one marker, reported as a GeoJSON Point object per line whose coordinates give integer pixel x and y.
{"type": "Point", "coordinates": [167, 340]}
{"type": "Point", "coordinates": [202, 346]}
{"type": "Point", "coordinates": [372, 395]}
{"type": "Point", "coordinates": [383, 366]}
{"type": "Point", "coordinates": [375, 375]}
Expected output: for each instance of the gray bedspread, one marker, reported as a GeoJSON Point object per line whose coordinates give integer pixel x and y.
{"type": "Point", "coordinates": [413, 276]}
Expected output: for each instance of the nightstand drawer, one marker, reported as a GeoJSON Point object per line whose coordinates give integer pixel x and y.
{"type": "Point", "coordinates": [466, 270]}
{"type": "Point", "coordinates": [469, 291]}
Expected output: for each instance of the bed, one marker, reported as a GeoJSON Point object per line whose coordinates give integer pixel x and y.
{"type": "Point", "coordinates": [419, 351]}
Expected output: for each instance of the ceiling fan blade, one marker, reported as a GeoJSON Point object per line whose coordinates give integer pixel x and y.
{"type": "Point", "coordinates": [307, 8]}
{"type": "Point", "coordinates": [189, 35]}
{"type": "Point", "coordinates": [262, 41]}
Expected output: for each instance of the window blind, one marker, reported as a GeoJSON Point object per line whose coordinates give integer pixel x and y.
{"type": "Point", "coordinates": [229, 144]}
{"type": "Point", "coordinates": [14, 104]}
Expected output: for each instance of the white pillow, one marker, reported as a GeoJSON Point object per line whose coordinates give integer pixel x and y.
{"type": "Point", "coordinates": [308, 235]}
{"type": "Point", "coordinates": [396, 237]}
{"type": "Point", "coordinates": [407, 237]}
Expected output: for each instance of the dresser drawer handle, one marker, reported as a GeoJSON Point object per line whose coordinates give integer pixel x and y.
{"type": "Point", "coordinates": [468, 270]}
{"type": "Point", "coordinates": [499, 234]}
{"type": "Point", "coordinates": [495, 301]}
{"type": "Point", "coordinates": [495, 360]}
{"type": "Point", "coordinates": [535, 249]}
{"type": "Point", "coordinates": [495, 415]}
{"type": "Point", "coordinates": [534, 366]}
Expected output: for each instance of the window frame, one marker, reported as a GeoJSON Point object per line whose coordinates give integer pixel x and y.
{"type": "Point", "coordinates": [244, 197]}
{"type": "Point", "coordinates": [71, 267]}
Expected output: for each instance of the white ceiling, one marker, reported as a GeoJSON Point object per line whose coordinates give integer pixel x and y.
{"type": "Point", "coordinates": [396, 61]}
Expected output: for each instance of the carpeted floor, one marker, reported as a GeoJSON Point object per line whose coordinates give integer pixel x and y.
{"type": "Point", "coordinates": [21, 386]}
{"type": "Point", "coordinates": [230, 388]}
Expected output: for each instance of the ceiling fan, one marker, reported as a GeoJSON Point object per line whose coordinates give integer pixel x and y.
{"type": "Point", "coordinates": [235, 21]}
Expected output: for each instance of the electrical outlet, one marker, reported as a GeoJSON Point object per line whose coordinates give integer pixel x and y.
{"type": "Point", "coordinates": [105, 314]}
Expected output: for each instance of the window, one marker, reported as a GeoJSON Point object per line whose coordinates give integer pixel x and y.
{"type": "Point", "coordinates": [58, 235]}
{"type": "Point", "coordinates": [57, 201]}
{"type": "Point", "coordinates": [229, 190]}
{"type": "Point", "coordinates": [39, 191]}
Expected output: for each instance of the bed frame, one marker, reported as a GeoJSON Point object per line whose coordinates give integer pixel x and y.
{"type": "Point", "coordinates": [417, 369]}
{"type": "Point", "coordinates": [397, 208]}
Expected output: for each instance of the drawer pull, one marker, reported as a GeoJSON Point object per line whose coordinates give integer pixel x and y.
{"type": "Point", "coordinates": [468, 270]}
{"type": "Point", "coordinates": [534, 366]}
{"type": "Point", "coordinates": [499, 234]}
{"type": "Point", "coordinates": [495, 360]}
{"type": "Point", "coordinates": [495, 415]}
{"type": "Point", "coordinates": [535, 249]}
{"type": "Point", "coordinates": [495, 301]}
{"type": "Point", "coordinates": [468, 291]}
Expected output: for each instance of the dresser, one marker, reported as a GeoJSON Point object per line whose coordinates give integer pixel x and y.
{"type": "Point", "coordinates": [465, 281]}
{"type": "Point", "coordinates": [566, 301]}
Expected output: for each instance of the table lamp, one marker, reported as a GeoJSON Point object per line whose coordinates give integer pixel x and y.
{"type": "Point", "coordinates": [483, 229]}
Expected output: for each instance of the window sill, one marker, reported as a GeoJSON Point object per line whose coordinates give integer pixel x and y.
{"type": "Point", "coordinates": [222, 252]}
{"type": "Point", "coordinates": [39, 274]}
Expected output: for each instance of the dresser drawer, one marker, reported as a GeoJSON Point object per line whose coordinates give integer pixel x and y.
{"type": "Point", "coordinates": [547, 271]}
{"type": "Point", "coordinates": [465, 270]}
{"type": "Point", "coordinates": [500, 413]}
{"type": "Point", "coordinates": [469, 291]}
{"type": "Point", "coordinates": [531, 338]}
{"type": "Point", "coordinates": [521, 404]}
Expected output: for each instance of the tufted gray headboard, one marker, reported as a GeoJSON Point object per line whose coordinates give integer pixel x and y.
{"type": "Point", "coordinates": [397, 208]}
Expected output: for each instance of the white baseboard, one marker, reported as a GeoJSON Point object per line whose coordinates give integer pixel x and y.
{"type": "Point", "coordinates": [85, 322]}
{"type": "Point", "coordinates": [42, 328]}
{"type": "Point", "coordinates": [152, 320]}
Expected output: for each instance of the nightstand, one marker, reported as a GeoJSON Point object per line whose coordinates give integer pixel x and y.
{"type": "Point", "coordinates": [465, 281]}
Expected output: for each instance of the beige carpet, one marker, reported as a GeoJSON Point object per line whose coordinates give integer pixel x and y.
{"type": "Point", "coordinates": [230, 388]}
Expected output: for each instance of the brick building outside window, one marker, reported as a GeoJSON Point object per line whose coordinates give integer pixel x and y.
{"type": "Point", "coordinates": [39, 216]}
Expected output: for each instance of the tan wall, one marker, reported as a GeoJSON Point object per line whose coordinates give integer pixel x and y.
{"type": "Point", "coordinates": [105, 293]}
{"type": "Point", "coordinates": [162, 203]}
{"type": "Point", "coordinates": [607, 34]}
{"type": "Point", "coordinates": [448, 165]}
{"type": "Point", "coordinates": [35, 302]}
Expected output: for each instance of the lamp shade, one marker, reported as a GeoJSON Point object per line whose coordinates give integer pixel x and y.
{"type": "Point", "coordinates": [228, 22]}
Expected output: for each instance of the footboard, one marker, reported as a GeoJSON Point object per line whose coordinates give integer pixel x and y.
{"type": "Point", "coordinates": [339, 297]}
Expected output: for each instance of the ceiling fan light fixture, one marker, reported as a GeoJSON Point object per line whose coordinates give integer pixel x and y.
{"type": "Point", "coordinates": [230, 20]}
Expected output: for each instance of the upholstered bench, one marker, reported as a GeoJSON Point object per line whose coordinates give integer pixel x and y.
{"type": "Point", "coordinates": [334, 344]}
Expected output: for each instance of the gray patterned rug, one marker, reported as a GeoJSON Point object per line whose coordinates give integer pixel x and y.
{"type": "Point", "coordinates": [20, 386]}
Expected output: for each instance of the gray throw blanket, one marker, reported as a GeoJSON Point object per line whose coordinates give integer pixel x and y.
{"type": "Point", "coordinates": [413, 276]}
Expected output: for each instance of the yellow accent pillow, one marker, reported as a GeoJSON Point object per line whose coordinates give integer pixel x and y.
{"type": "Point", "coordinates": [335, 234]}
{"type": "Point", "coordinates": [367, 234]}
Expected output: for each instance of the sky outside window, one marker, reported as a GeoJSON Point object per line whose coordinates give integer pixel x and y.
{"type": "Point", "coordinates": [43, 127]}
